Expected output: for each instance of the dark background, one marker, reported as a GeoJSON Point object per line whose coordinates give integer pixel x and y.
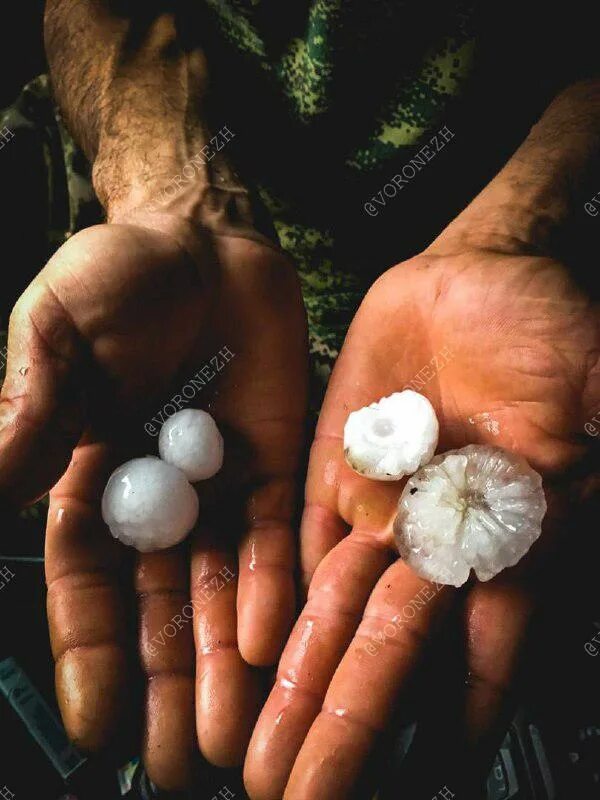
{"type": "Point", "coordinates": [21, 46]}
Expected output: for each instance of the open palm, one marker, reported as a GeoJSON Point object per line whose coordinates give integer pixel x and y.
{"type": "Point", "coordinates": [506, 348]}
{"type": "Point", "coordinates": [121, 318]}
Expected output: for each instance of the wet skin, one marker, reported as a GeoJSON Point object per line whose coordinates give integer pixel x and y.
{"type": "Point", "coordinates": [120, 318]}
{"type": "Point", "coordinates": [525, 343]}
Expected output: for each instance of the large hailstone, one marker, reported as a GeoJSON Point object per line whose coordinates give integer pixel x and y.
{"type": "Point", "coordinates": [391, 438]}
{"type": "Point", "coordinates": [477, 508]}
{"type": "Point", "coordinates": [149, 505]}
{"type": "Point", "coordinates": [190, 440]}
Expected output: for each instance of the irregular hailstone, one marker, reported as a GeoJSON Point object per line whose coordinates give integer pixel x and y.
{"type": "Point", "coordinates": [149, 505]}
{"type": "Point", "coordinates": [391, 438]}
{"type": "Point", "coordinates": [476, 508]}
{"type": "Point", "coordinates": [190, 440]}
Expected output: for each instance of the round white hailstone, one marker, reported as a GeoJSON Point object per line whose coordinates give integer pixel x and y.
{"type": "Point", "coordinates": [190, 440]}
{"type": "Point", "coordinates": [391, 438]}
{"type": "Point", "coordinates": [477, 508]}
{"type": "Point", "coordinates": [149, 505]}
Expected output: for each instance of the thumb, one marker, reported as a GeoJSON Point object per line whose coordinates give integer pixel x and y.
{"type": "Point", "coordinates": [41, 402]}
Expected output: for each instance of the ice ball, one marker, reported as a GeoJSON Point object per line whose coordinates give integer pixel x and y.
{"type": "Point", "coordinates": [391, 438]}
{"type": "Point", "coordinates": [191, 441]}
{"type": "Point", "coordinates": [477, 508]}
{"type": "Point", "coordinates": [149, 505]}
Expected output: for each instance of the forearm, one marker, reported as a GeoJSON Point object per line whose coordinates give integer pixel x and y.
{"type": "Point", "coordinates": [544, 185]}
{"type": "Point", "coordinates": [135, 98]}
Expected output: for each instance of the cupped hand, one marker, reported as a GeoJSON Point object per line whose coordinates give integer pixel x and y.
{"type": "Point", "coordinates": [121, 318]}
{"type": "Point", "coordinates": [506, 347]}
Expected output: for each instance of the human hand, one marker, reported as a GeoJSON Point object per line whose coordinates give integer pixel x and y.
{"type": "Point", "coordinates": [506, 346]}
{"type": "Point", "coordinates": [118, 321]}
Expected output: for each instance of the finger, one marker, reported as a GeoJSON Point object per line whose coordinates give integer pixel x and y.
{"type": "Point", "coordinates": [337, 597]}
{"type": "Point", "coordinates": [167, 655]}
{"type": "Point", "coordinates": [398, 622]}
{"type": "Point", "coordinates": [474, 695]}
{"type": "Point", "coordinates": [322, 527]}
{"type": "Point", "coordinates": [227, 688]}
{"type": "Point", "coordinates": [266, 592]}
{"type": "Point", "coordinates": [85, 609]}
{"type": "Point", "coordinates": [497, 617]}
{"type": "Point", "coordinates": [336, 497]}
{"type": "Point", "coordinates": [41, 414]}
{"type": "Point", "coordinates": [350, 500]}
{"type": "Point", "coordinates": [270, 425]}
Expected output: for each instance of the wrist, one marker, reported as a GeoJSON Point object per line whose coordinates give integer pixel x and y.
{"type": "Point", "coordinates": [529, 206]}
{"type": "Point", "coordinates": [201, 192]}
{"type": "Point", "coordinates": [512, 214]}
{"type": "Point", "coordinates": [176, 177]}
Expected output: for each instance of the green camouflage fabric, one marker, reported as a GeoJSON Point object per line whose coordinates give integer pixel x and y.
{"type": "Point", "coordinates": [308, 71]}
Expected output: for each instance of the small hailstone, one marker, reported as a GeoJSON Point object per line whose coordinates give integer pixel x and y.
{"type": "Point", "coordinates": [477, 508]}
{"type": "Point", "coordinates": [190, 440]}
{"type": "Point", "coordinates": [391, 438]}
{"type": "Point", "coordinates": [149, 505]}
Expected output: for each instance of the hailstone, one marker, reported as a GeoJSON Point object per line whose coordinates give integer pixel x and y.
{"type": "Point", "coordinates": [477, 508]}
{"type": "Point", "coordinates": [392, 437]}
{"type": "Point", "coordinates": [190, 440]}
{"type": "Point", "coordinates": [149, 505]}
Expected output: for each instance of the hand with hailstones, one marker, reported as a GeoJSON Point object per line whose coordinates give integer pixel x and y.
{"type": "Point", "coordinates": [524, 341]}
{"type": "Point", "coordinates": [149, 503]}
{"type": "Point", "coordinates": [118, 321]}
